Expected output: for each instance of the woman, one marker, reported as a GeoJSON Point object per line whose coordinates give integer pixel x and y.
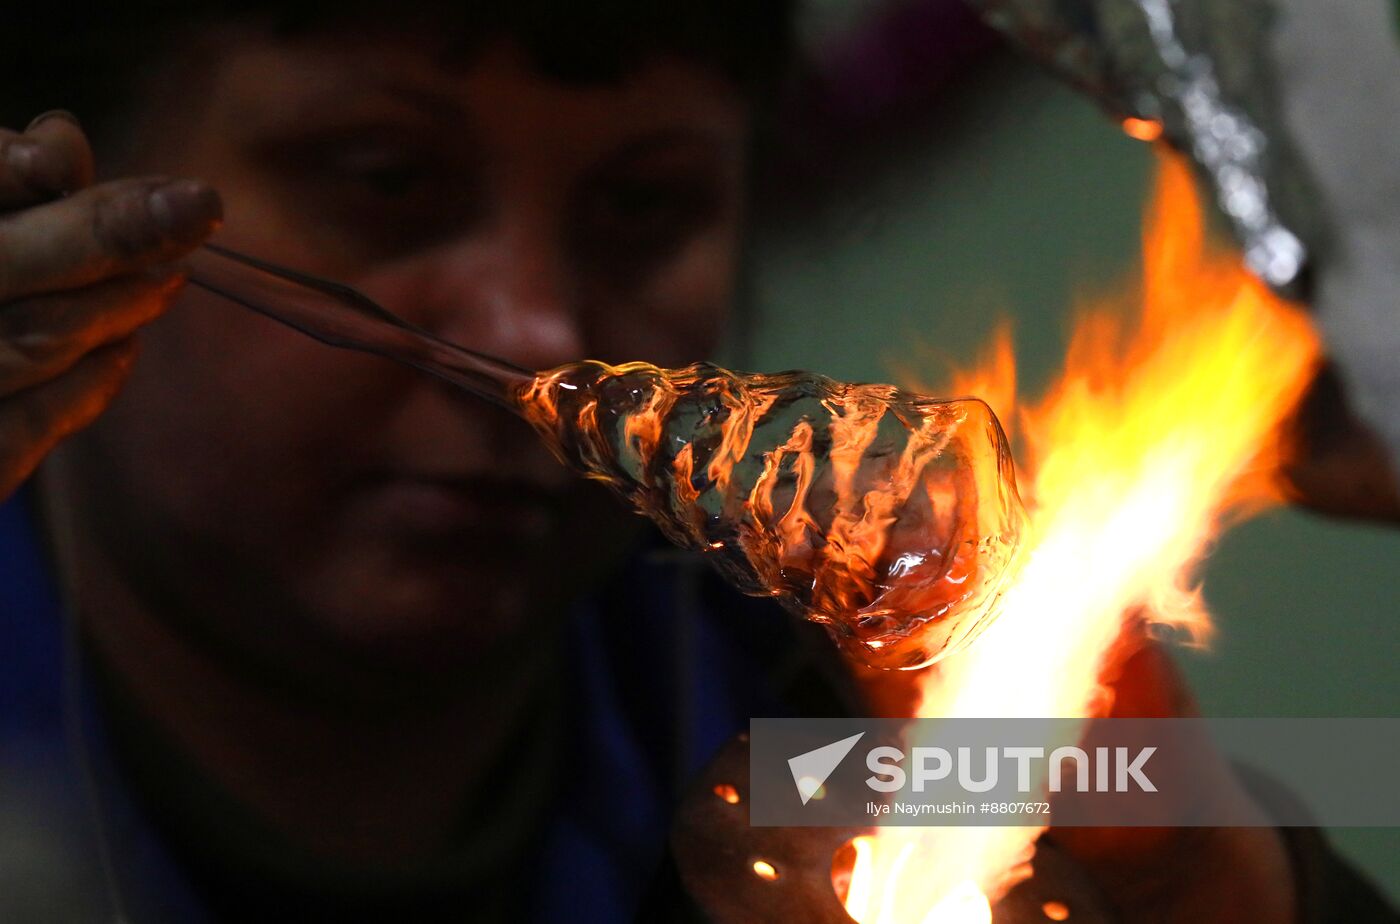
{"type": "Point", "coordinates": [327, 599]}
{"type": "Point", "coordinates": [347, 647]}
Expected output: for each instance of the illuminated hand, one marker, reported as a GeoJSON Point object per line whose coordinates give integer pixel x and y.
{"type": "Point", "coordinates": [1198, 875]}
{"type": "Point", "coordinates": [78, 276]}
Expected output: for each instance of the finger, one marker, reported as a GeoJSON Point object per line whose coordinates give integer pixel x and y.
{"type": "Point", "coordinates": [42, 337]}
{"type": "Point", "coordinates": [34, 421]}
{"type": "Point", "coordinates": [103, 231]}
{"type": "Point", "coordinates": [1147, 684]}
{"type": "Point", "coordinates": [50, 158]}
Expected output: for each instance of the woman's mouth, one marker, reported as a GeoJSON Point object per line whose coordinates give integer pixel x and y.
{"type": "Point", "coordinates": [475, 510]}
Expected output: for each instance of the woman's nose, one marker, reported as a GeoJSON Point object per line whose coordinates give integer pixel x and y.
{"type": "Point", "coordinates": [508, 294]}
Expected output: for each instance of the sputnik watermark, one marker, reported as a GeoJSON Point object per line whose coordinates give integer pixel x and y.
{"type": "Point", "coordinates": [933, 764]}
{"type": "Point", "coordinates": [811, 768]}
{"type": "Point", "coordinates": [1104, 772]}
{"type": "Point", "coordinates": [1114, 769]}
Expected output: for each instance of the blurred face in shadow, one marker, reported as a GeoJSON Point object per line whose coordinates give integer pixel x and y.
{"type": "Point", "coordinates": [276, 493]}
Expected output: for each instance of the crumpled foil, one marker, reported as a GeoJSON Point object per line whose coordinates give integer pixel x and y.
{"type": "Point", "coordinates": [1291, 111]}
{"type": "Point", "coordinates": [1196, 68]}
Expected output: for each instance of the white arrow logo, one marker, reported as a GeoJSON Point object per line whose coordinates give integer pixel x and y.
{"type": "Point", "coordinates": [810, 770]}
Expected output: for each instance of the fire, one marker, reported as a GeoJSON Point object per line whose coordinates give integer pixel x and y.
{"type": "Point", "coordinates": [1150, 441]}
{"type": "Point", "coordinates": [1142, 129]}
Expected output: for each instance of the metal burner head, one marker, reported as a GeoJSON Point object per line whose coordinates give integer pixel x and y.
{"type": "Point", "coordinates": [732, 873]}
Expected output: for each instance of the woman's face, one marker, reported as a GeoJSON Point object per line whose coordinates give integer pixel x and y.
{"type": "Point", "coordinates": [336, 499]}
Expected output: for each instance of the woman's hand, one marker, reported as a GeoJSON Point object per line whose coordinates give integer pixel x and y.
{"type": "Point", "coordinates": [82, 267]}
{"type": "Point", "coordinates": [1202, 875]}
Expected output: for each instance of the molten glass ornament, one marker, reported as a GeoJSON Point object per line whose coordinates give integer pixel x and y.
{"type": "Point", "coordinates": [887, 516]}
{"type": "Point", "coordinates": [890, 517]}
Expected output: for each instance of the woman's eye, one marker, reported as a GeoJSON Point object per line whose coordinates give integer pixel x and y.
{"type": "Point", "coordinates": [364, 170]}
{"type": "Point", "coordinates": [390, 174]}
{"type": "Point", "coordinates": [378, 193]}
{"type": "Point", "coordinates": [657, 207]}
{"type": "Point", "coordinates": [645, 220]}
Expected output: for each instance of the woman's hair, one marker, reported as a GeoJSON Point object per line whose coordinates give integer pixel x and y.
{"type": "Point", "coordinates": [92, 61]}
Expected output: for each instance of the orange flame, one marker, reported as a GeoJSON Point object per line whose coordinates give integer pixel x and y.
{"type": "Point", "coordinates": [1149, 441]}
{"type": "Point", "coordinates": [1142, 129]}
{"type": "Point", "coordinates": [993, 379]}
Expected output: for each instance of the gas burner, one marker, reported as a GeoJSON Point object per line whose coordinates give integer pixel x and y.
{"type": "Point", "coordinates": [727, 872]}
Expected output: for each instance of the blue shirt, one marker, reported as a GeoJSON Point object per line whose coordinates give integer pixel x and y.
{"type": "Point", "coordinates": [653, 693]}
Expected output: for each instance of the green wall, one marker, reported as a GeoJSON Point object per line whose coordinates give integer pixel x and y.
{"type": "Point", "coordinates": [1018, 196]}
